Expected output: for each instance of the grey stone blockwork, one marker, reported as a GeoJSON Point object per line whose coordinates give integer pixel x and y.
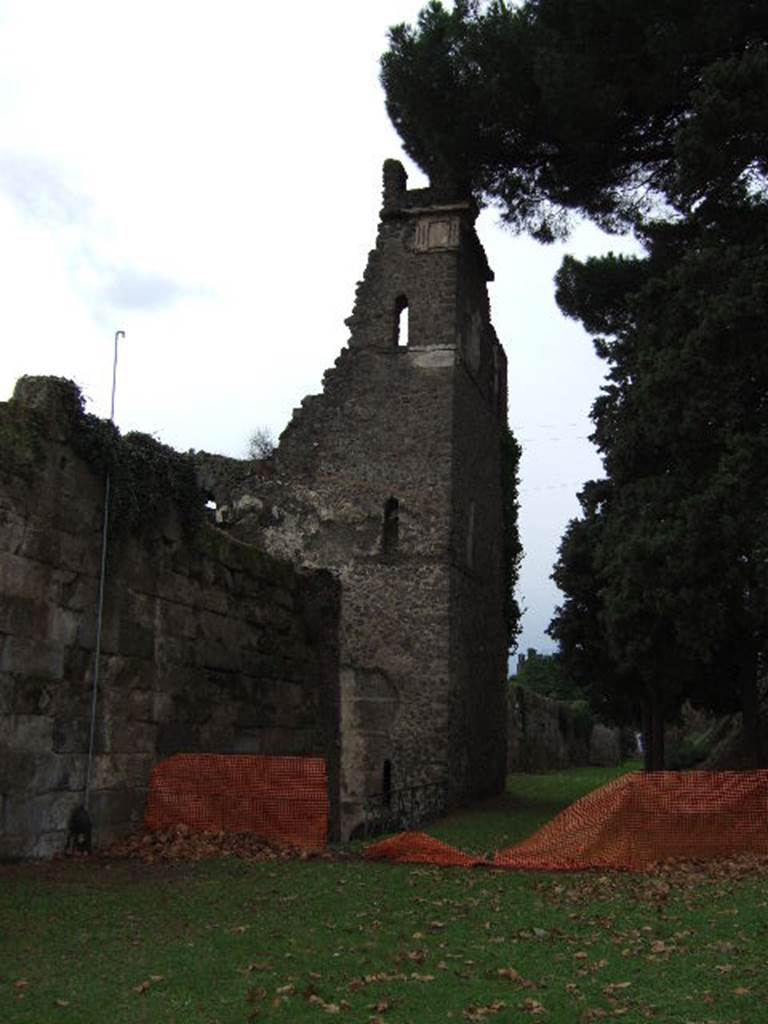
{"type": "Point", "coordinates": [208, 645]}
{"type": "Point", "coordinates": [391, 478]}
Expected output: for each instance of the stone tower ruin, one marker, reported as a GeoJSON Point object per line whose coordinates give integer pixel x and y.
{"type": "Point", "coordinates": [391, 477]}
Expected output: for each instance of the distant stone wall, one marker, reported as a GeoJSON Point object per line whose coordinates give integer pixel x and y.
{"type": "Point", "coordinates": [208, 645]}
{"type": "Point", "coordinates": [544, 735]}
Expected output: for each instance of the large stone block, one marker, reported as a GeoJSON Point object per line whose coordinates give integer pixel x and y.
{"type": "Point", "coordinates": [174, 737]}
{"type": "Point", "coordinates": [128, 684]}
{"type": "Point", "coordinates": [115, 812]}
{"type": "Point", "coordinates": [38, 657]}
{"type": "Point", "coordinates": [12, 526]}
{"type": "Point", "coordinates": [24, 616]}
{"type": "Point", "coordinates": [175, 620]}
{"type": "Point", "coordinates": [171, 651]}
{"type": "Point", "coordinates": [123, 735]}
{"type": "Point", "coordinates": [33, 696]}
{"type": "Point", "coordinates": [116, 771]}
{"type": "Point", "coordinates": [20, 577]}
{"type": "Point", "coordinates": [71, 727]}
{"type": "Point", "coordinates": [34, 814]}
{"type": "Point", "coordinates": [42, 546]}
{"type": "Point", "coordinates": [218, 655]}
{"type": "Point", "coordinates": [80, 592]}
{"type": "Point", "coordinates": [7, 692]}
{"type": "Point", "coordinates": [26, 772]}
{"type": "Point", "coordinates": [26, 733]}
{"type": "Point", "coordinates": [285, 742]}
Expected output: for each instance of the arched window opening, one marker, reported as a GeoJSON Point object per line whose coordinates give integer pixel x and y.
{"type": "Point", "coordinates": [386, 783]}
{"type": "Point", "coordinates": [390, 535]}
{"type": "Point", "coordinates": [402, 327]}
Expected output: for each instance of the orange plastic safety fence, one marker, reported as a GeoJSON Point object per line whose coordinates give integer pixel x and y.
{"type": "Point", "coordinates": [630, 824]}
{"type": "Point", "coordinates": [279, 798]}
{"type": "Point", "coordinates": [419, 848]}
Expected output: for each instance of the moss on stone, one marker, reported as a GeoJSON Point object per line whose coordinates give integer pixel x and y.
{"type": "Point", "coordinates": [148, 479]}
{"type": "Point", "coordinates": [234, 554]}
{"type": "Point", "coordinates": [22, 448]}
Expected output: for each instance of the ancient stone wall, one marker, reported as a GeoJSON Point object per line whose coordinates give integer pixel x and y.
{"type": "Point", "coordinates": [392, 477]}
{"type": "Point", "coordinates": [544, 735]}
{"type": "Point", "coordinates": [208, 644]}
{"type": "Point", "coordinates": [477, 600]}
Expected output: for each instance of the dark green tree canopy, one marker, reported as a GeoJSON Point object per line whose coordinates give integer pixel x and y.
{"type": "Point", "coordinates": [650, 116]}
{"type": "Point", "coordinates": [613, 109]}
{"type": "Point", "coordinates": [676, 551]}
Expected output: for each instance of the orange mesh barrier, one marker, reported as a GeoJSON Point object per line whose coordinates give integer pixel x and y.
{"type": "Point", "coordinates": [279, 798]}
{"type": "Point", "coordinates": [631, 824]}
{"type": "Point", "coordinates": [419, 848]}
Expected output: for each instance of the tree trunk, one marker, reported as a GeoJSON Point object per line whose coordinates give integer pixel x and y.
{"type": "Point", "coordinates": [750, 713]}
{"type": "Point", "coordinates": [653, 735]}
{"type": "Point", "coordinates": [647, 737]}
{"type": "Point", "coordinates": [657, 724]}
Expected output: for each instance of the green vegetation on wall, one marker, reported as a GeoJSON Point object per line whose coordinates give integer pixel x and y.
{"type": "Point", "coordinates": [513, 549]}
{"type": "Point", "coordinates": [147, 479]}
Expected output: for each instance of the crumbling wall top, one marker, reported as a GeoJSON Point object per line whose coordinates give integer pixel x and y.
{"type": "Point", "coordinates": [442, 193]}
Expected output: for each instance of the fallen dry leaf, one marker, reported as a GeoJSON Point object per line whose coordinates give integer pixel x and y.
{"type": "Point", "coordinates": [478, 1012]}
{"type": "Point", "coordinates": [533, 1006]}
{"type": "Point", "coordinates": [181, 843]}
{"type": "Point", "coordinates": [508, 972]}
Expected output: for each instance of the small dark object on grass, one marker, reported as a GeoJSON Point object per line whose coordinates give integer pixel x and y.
{"type": "Point", "coordinates": [79, 832]}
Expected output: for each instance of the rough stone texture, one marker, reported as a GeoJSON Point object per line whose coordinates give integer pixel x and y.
{"type": "Point", "coordinates": [545, 734]}
{"type": "Point", "coordinates": [386, 652]}
{"type": "Point", "coordinates": [391, 477]}
{"type": "Point", "coordinates": [207, 646]}
{"type": "Point", "coordinates": [604, 745]}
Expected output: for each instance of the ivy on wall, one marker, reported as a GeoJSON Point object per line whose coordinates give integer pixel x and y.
{"type": "Point", "coordinates": [147, 479]}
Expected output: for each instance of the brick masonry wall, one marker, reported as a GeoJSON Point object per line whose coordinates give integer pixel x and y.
{"type": "Point", "coordinates": [207, 646]}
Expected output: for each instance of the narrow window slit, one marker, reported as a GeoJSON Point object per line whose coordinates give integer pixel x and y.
{"type": "Point", "coordinates": [386, 783]}
{"type": "Point", "coordinates": [402, 326]}
{"type": "Point", "coordinates": [391, 529]}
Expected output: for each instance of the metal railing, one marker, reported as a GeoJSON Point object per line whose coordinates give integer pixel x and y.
{"type": "Point", "coordinates": [401, 809]}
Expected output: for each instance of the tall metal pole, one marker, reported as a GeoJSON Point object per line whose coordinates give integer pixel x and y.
{"type": "Point", "coordinates": [100, 607]}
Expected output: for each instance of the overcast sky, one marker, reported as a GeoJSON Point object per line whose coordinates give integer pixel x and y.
{"type": "Point", "coordinates": [207, 178]}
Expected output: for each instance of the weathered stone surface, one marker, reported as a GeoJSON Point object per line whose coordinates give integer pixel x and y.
{"type": "Point", "coordinates": [193, 633]}
{"type": "Point", "coordinates": [381, 478]}
{"type": "Point", "coordinates": [544, 735]}
{"type": "Point", "coordinates": [39, 657]}
{"type": "Point", "coordinates": [604, 745]}
{"type": "Point", "coordinates": [352, 607]}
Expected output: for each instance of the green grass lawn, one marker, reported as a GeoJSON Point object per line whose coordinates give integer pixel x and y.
{"type": "Point", "coordinates": [229, 941]}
